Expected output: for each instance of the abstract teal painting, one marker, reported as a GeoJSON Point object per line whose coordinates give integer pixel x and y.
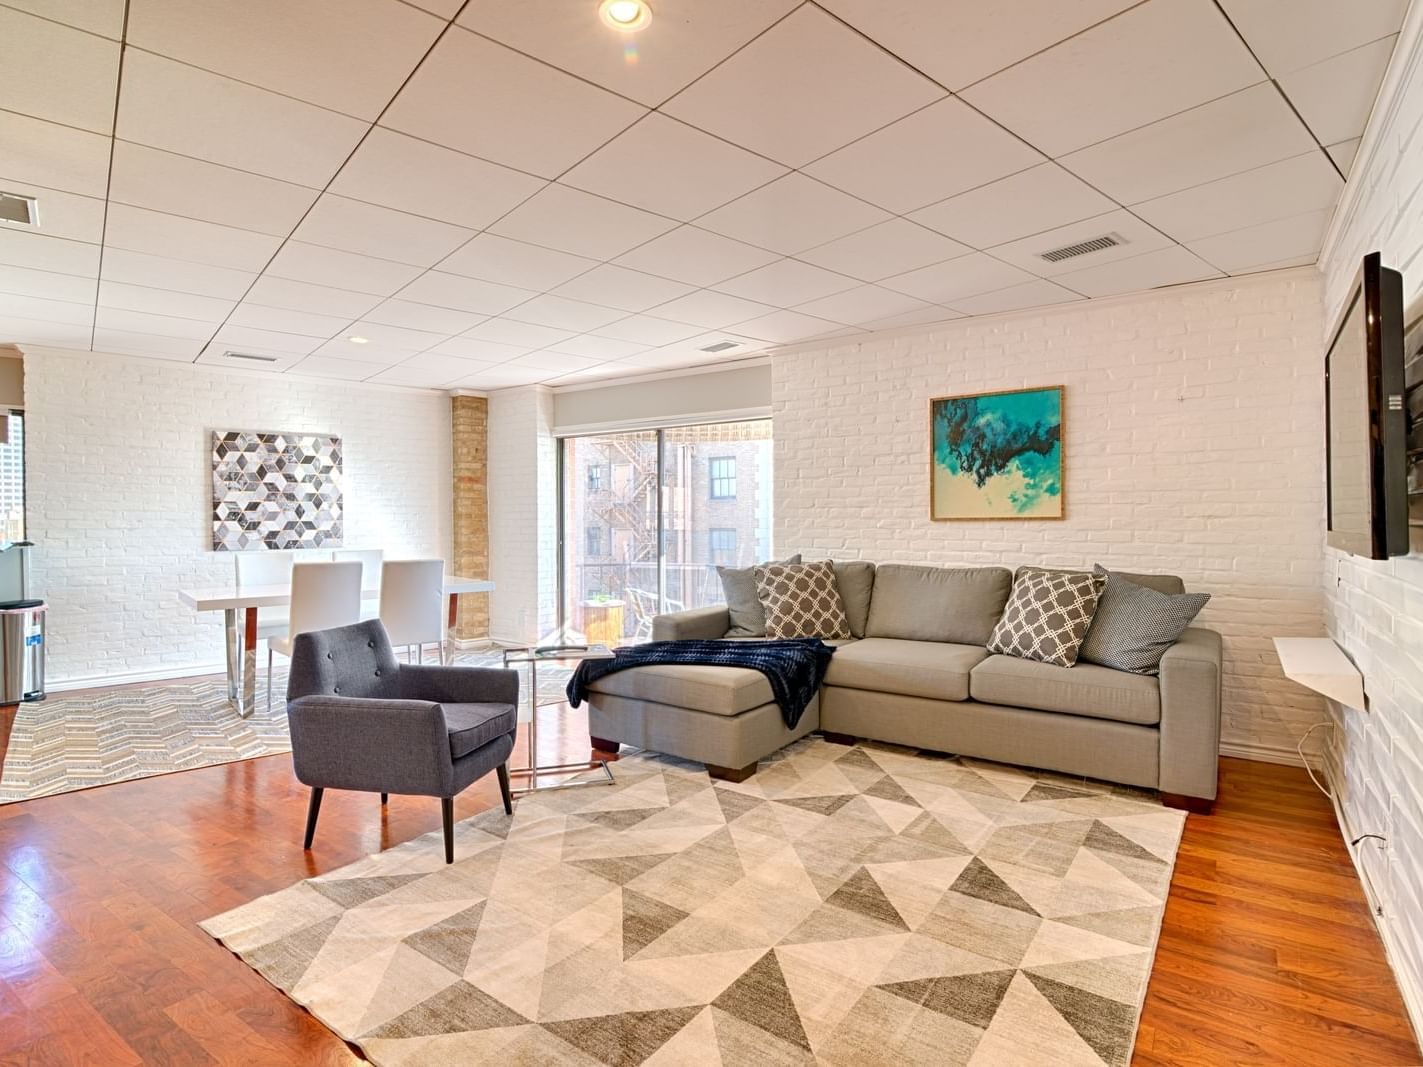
{"type": "Point", "coordinates": [996, 455]}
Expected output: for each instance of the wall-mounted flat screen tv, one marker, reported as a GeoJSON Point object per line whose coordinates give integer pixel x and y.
{"type": "Point", "coordinates": [1364, 418]}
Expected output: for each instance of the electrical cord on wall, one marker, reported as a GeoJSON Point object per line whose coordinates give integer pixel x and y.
{"type": "Point", "coordinates": [1305, 760]}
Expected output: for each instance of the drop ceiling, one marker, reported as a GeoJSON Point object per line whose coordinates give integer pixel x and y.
{"type": "Point", "coordinates": [496, 194]}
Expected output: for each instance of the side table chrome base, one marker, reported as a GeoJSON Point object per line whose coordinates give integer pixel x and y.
{"type": "Point", "coordinates": [562, 768]}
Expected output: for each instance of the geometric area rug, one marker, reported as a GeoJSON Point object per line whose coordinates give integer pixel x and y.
{"type": "Point", "coordinates": [845, 905]}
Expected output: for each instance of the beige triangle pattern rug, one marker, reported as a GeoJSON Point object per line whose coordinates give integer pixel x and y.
{"type": "Point", "coordinates": [845, 905]}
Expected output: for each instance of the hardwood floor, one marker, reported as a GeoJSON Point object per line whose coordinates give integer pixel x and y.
{"type": "Point", "coordinates": [1267, 955]}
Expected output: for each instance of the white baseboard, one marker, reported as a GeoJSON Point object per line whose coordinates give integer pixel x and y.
{"type": "Point", "coordinates": [157, 674]}
{"type": "Point", "coordinates": [1289, 757]}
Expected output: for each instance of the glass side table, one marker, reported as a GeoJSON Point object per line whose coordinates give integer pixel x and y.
{"type": "Point", "coordinates": [555, 654]}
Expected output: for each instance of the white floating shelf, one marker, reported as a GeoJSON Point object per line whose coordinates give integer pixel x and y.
{"type": "Point", "coordinates": [1320, 664]}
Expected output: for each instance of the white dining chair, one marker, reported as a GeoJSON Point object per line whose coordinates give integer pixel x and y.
{"type": "Point", "coordinates": [371, 559]}
{"type": "Point", "coordinates": [272, 567]}
{"type": "Point", "coordinates": [324, 596]}
{"type": "Point", "coordinates": [412, 603]}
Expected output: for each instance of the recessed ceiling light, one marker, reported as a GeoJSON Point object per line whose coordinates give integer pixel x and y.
{"type": "Point", "coordinates": [359, 340]}
{"type": "Point", "coordinates": [625, 15]}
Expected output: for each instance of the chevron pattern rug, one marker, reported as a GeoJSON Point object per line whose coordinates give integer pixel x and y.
{"type": "Point", "coordinates": [99, 737]}
{"type": "Point", "coordinates": [852, 906]}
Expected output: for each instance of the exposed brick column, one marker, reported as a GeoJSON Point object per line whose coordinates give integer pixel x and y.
{"type": "Point", "coordinates": [469, 432]}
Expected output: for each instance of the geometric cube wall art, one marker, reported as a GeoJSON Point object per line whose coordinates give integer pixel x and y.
{"type": "Point", "coordinates": [275, 490]}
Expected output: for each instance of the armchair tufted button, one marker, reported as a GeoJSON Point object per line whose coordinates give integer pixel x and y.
{"type": "Point", "coordinates": [377, 672]}
{"type": "Point", "coordinates": [329, 656]}
{"type": "Point", "coordinates": [370, 644]}
{"type": "Point", "coordinates": [336, 689]}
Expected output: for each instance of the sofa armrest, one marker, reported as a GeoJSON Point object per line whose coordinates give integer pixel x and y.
{"type": "Point", "coordinates": [696, 624]}
{"type": "Point", "coordinates": [380, 746]}
{"type": "Point", "coordinates": [1190, 714]}
{"type": "Point", "coordinates": [459, 685]}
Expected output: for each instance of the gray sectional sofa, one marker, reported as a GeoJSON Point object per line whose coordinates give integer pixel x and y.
{"type": "Point", "coordinates": [916, 672]}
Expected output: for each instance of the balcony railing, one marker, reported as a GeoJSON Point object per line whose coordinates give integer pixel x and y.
{"type": "Point", "coordinates": [591, 586]}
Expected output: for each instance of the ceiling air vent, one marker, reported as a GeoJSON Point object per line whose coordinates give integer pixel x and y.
{"type": "Point", "coordinates": [15, 207]}
{"type": "Point", "coordinates": [720, 346]}
{"type": "Point", "coordinates": [251, 356]}
{"type": "Point", "coordinates": [1081, 248]}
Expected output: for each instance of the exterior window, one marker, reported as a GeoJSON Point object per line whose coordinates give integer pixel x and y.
{"type": "Point", "coordinates": [12, 479]}
{"type": "Point", "coordinates": [594, 541]}
{"type": "Point", "coordinates": [721, 543]}
{"type": "Point", "coordinates": [722, 476]}
{"type": "Point", "coordinates": [597, 477]}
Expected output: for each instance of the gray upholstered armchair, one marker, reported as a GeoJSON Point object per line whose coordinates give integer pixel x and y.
{"type": "Point", "coordinates": [362, 720]}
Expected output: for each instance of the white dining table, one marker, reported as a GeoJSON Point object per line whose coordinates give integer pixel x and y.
{"type": "Point", "coordinates": [239, 606]}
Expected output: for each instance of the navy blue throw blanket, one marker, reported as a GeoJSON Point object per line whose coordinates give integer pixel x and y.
{"type": "Point", "coordinates": [794, 667]}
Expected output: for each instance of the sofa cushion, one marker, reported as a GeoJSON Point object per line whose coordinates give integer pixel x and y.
{"type": "Point", "coordinates": [910, 668]}
{"type": "Point", "coordinates": [856, 581]}
{"type": "Point", "coordinates": [738, 586]}
{"type": "Point", "coordinates": [1086, 689]}
{"type": "Point", "coordinates": [473, 726]}
{"type": "Point", "coordinates": [715, 690]}
{"type": "Point", "coordinates": [953, 605]}
{"type": "Point", "coordinates": [801, 600]}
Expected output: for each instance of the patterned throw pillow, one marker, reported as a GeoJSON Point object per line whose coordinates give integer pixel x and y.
{"type": "Point", "coordinates": [1047, 615]}
{"type": "Point", "coordinates": [1134, 625]}
{"type": "Point", "coordinates": [801, 600]}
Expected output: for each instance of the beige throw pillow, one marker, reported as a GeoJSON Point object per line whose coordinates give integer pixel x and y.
{"type": "Point", "coordinates": [801, 600]}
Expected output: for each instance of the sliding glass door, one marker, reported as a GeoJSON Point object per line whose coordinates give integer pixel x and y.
{"type": "Point", "coordinates": [647, 516]}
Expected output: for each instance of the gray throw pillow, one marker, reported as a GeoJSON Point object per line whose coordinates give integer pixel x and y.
{"type": "Point", "coordinates": [956, 605]}
{"type": "Point", "coordinates": [738, 585]}
{"type": "Point", "coordinates": [856, 579]}
{"type": "Point", "coordinates": [1047, 615]}
{"type": "Point", "coordinates": [1134, 625]}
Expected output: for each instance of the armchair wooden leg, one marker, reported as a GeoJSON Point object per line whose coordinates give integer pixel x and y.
{"type": "Point", "coordinates": [503, 772]}
{"type": "Point", "coordinates": [313, 809]}
{"type": "Point", "coordinates": [384, 799]}
{"type": "Point", "coordinates": [447, 813]}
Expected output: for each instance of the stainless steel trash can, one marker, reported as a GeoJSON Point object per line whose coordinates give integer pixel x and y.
{"type": "Point", "coordinates": [22, 650]}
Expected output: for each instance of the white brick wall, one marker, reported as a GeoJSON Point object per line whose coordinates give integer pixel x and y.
{"type": "Point", "coordinates": [1375, 609]}
{"type": "Point", "coordinates": [120, 501]}
{"type": "Point", "coordinates": [523, 515]}
{"type": "Point", "coordinates": [1192, 447]}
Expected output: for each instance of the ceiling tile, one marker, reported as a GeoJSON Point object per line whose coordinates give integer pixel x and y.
{"type": "Point", "coordinates": [463, 294]}
{"type": "Point", "coordinates": [104, 17]}
{"type": "Point", "coordinates": [340, 270]}
{"type": "Point", "coordinates": [667, 359]}
{"type": "Point", "coordinates": [16, 329]}
{"type": "Point", "coordinates": [217, 354]}
{"type": "Point", "coordinates": [162, 181]}
{"type": "Point", "coordinates": [425, 372]}
{"type": "Point", "coordinates": [25, 281]}
{"type": "Point", "coordinates": [711, 310]}
{"type": "Point", "coordinates": [958, 42]}
{"type": "Point", "coordinates": [933, 313]}
{"type": "Point", "coordinates": [518, 334]}
{"type": "Point", "coordinates": [347, 55]}
{"type": "Point", "coordinates": [1290, 187]}
{"type": "Point", "coordinates": [667, 167]}
{"type": "Point", "coordinates": [1343, 154]}
{"type": "Point", "coordinates": [685, 39]}
{"type": "Point", "coordinates": [599, 347]}
{"type": "Point", "coordinates": [1018, 206]}
{"type": "Point", "coordinates": [55, 156]}
{"type": "Point", "coordinates": [31, 307]}
{"type": "Point", "coordinates": [303, 296]}
{"type": "Point", "coordinates": [487, 352]}
{"type": "Point", "coordinates": [58, 73]}
{"type": "Point", "coordinates": [164, 302]}
{"type": "Point", "coordinates": [422, 316]}
{"type": "Point", "coordinates": [343, 348]}
{"type": "Point", "coordinates": [932, 154]}
{"type": "Point", "coordinates": [592, 373]}
{"type": "Point", "coordinates": [1157, 59]}
{"type": "Point", "coordinates": [1265, 245]}
{"type": "Point", "coordinates": [1173, 265]}
{"type": "Point", "coordinates": [153, 346]}
{"type": "Point", "coordinates": [892, 247]}
{"type": "Point", "coordinates": [168, 105]}
{"type": "Point", "coordinates": [1290, 34]}
{"type": "Point", "coordinates": [383, 336]}
{"type": "Point", "coordinates": [649, 330]}
{"type": "Point", "coordinates": [786, 283]}
{"type": "Point", "coordinates": [578, 222]}
{"type": "Point", "coordinates": [854, 307]}
{"type": "Point", "coordinates": [1334, 97]}
{"type": "Point", "coordinates": [64, 215]}
{"type": "Point", "coordinates": [23, 248]}
{"type": "Point", "coordinates": [159, 272]}
{"type": "Point", "coordinates": [160, 325]}
{"type": "Point", "coordinates": [479, 97]}
{"type": "Point", "coordinates": [285, 320]}
{"type": "Point", "coordinates": [561, 313]}
{"type": "Point", "coordinates": [326, 367]}
{"type": "Point", "coordinates": [1244, 130]}
{"type": "Point", "coordinates": [967, 275]}
{"type": "Point", "coordinates": [804, 88]}
{"type": "Point", "coordinates": [1136, 237]}
{"type": "Point", "coordinates": [355, 226]}
{"type": "Point", "coordinates": [404, 172]}
{"type": "Point", "coordinates": [618, 287]}
{"type": "Point", "coordinates": [141, 230]}
{"type": "Point", "coordinates": [249, 338]}
{"type": "Point", "coordinates": [501, 377]}
{"type": "Point", "coordinates": [495, 258]}
{"type": "Point", "coordinates": [786, 327]}
{"type": "Point", "coordinates": [555, 362]}
{"type": "Point", "coordinates": [695, 256]}
{"type": "Point", "coordinates": [1032, 294]}
{"type": "Point", "coordinates": [792, 214]}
